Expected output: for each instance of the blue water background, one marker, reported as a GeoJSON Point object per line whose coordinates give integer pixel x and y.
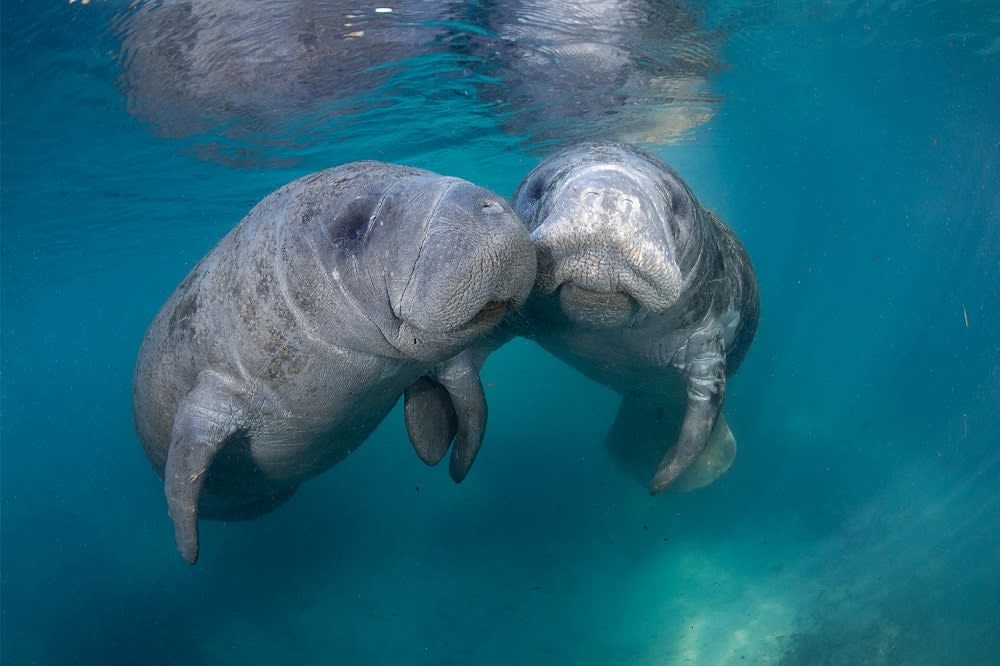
{"type": "Point", "coordinates": [855, 151]}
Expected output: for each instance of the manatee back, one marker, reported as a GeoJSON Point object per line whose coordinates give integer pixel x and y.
{"type": "Point", "coordinates": [192, 331]}
{"type": "Point", "coordinates": [230, 314]}
{"type": "Point", "coordinates": [737, 282]}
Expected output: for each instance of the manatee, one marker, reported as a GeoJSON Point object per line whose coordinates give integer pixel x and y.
{"type": "Point", "coordinates": [646, 291]}
{"type": "Point", "coordinates": [290, 341]}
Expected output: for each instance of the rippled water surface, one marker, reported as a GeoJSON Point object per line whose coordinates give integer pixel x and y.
{"type": "Point", "coordinates": [853, 146]}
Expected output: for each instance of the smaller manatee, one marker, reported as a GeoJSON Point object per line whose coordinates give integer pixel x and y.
{"type": "Point", "coordinates": [288, 344]}
{"type": "Point", "coordinates": [646, 291]}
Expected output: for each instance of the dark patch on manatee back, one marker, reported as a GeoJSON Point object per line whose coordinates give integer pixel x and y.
{"type": "Point", "coordinates": [286, 317]}
{"type": "Point", "coordinates": [264, 286]}
{"type": "Point", "coordinates": [183, 314]}
{"type": "Point", "coordinates": [182, 317]}
{"type": "Point", "coordinates": [284, 361]}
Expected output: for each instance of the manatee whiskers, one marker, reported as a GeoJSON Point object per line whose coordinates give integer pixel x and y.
{"type": "Point", "coordinates": [597, 309]}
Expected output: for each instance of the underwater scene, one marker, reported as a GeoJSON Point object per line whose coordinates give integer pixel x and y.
{"type": "Point", "coordinates": [725, 276]}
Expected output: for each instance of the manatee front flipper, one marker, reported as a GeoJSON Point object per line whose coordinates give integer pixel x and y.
{"type": "Point", "coordinates": [704, 368]}
{"type": "Point", "coordinates": [430, 416]}
{"type": "Point", "coordinates": [205, 418]}
{"type": "Point", "coordinates": [453, 391]}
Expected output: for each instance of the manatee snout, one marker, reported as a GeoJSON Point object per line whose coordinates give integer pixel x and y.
{"type": "Point", "coordinates": [603, 245]}
{"type": "Point", "coordinates": [596, 309]}
{"type": "Point", "coordinates": [473, 262]}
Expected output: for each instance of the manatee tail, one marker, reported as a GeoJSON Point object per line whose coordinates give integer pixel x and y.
{"type": "Point", "coordinates": [714, 461]}
{"type": "Point", "coordinates": [704, 366]}
{"type": "Point", "coordinates": [642, 428]}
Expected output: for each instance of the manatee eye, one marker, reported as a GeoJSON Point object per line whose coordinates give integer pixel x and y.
{"type": "Point", "coordinates": [351, 227]}
{"type": "Point", "coordinates": [490, 206]}
{"type": "Point", "coordinates": [535, 189]}
{"type": "Point", "coordinates": [356, 225]}
{"type": "Point", "coordinates": [680, 204]}
{"type": "Point", "coordinates": [349, 224]}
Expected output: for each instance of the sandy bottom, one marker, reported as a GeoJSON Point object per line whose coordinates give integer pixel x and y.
{"type": "Point", "coordinates": [640, 590]}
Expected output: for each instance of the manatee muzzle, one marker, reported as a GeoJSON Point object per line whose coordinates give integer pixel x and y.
{"type": "Point", "coordinates": [475, 263]}
{"type": "Point", "coordinates": [596, 309]}
{"type": "Point", "coordinates": [591, 268]}
{"type": "Point", "coordinates": [603, 231]}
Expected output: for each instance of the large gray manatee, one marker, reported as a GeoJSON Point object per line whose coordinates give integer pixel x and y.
{"type": "Point", "coordinates": [646, 291]}
{"type": "Point", "coordinates": [293, 338]}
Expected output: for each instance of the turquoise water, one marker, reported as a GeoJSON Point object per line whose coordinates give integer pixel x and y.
{"type": "Point", "coordinates": [853, 146]}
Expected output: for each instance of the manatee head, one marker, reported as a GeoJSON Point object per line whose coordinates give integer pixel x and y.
{"type": "Point", "coordinates": [611, 226]}
{"type": "Point", "coordinates": [430, 263]}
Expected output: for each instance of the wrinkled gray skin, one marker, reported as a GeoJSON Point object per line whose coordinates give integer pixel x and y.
{"type": "Point", "coordinates": [293, 338]}
{"type": "Point", "coordinates": [645, 291]}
